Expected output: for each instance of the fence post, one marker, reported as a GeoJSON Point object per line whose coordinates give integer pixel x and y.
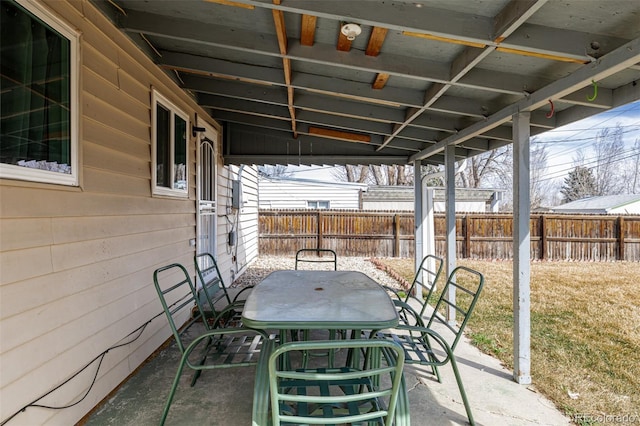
{"type": "Point", "coordinates": [543, 238]}
{"type": "Point", "coordinates": [319, 239]}
{"type": "Point", "coordinates": [620, 238]}
{"type": "Point", "coordinates": [396, 236]}
{"type": "Point", "coordinates": [467, 237]}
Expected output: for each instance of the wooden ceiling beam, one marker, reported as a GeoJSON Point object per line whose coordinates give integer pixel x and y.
{"type": "Point", "coordinates": [281, 32]}
{"type": "Point", "coordinates": [344, 44]}
{"type": "Point", "coordinates": [381, 80]}
{"type": "Point", "coordinates": [336, 134]}
{"type": "Point", "coordinates": [308, 30]}
{"type": "Point", "coordinates": [232, 3]}
{"type": "Point", "coordinates": [378, 34]}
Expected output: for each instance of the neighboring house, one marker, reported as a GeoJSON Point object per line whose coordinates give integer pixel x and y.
{"type": "Point", "coordinates": [607, 204]}
{"type": "Point", "coordinates": [294, 193]}
{"type": "Point", "coordinates": [125, 184]}
{"type": "Point", "coordinates": [402, 198]}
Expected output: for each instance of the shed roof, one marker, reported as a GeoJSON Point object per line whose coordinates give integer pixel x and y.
{"type": "Point", "coordinates": [406, 193]}
{"type": "Point", "coordinates": [603, 203]}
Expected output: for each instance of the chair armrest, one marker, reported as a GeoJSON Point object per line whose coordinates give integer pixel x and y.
{"type": "Point", "coordinates": [407, 314]}
{"type": "Point", "coordinates": [394, 291]}
{"type": "Point", "coordinates": [235, 299]}
{"type": "Point", "coordinates": [427, 336]}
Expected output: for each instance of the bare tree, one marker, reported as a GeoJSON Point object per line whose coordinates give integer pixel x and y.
{"type": "Point", "coordinates": [378, 175]}
{"type": "Point", "coordinates": [483, 167]}
{"type": "Point", "coordinates": [375, 174]}
{"type": "Point", "coordinates": [542, 191]}
{"type": "Point", "coordinates": [615, 170]}
{"type": "Point", "coordinates": [434, 174]}
{"type": "Point", "coordinates": [274, 171]}
{"type": "Point", "coordinates": [609, 149]}
{"type": "Point", "coordinates": [632, 170]}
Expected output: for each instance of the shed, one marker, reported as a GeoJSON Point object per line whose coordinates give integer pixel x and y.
{"type": "Point", "coordinates": [607, 204]}
{"type": "Point", "coordinates": [296, 193]}
{"type": "Point", "coordinates": [402, 198]}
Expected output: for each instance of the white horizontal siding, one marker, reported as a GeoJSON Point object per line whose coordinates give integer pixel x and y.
{"type": "Point", "coordinates": [77, 262]}
{"type": "Point", "coordinates": [233, 260]}
{"type": "Point", "coordinates": [292, 195]}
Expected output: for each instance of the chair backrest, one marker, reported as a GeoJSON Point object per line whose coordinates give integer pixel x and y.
{"type": "Point", "coordinates": [468, 285]}
{"type": "Point", "coordinates": [321, 256]}
{"type": "Point", "coordinates": [213, 289]}
{"type": "Point", "coordinates": [177, 294]}
{"type": "Point", "coordinates": [426, 277]}
{"type": "Point", "coordinates": [337, 395]}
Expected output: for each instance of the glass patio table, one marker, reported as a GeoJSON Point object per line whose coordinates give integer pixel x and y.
{"type": "Point", "coordinates": [330, 300]}
{"type": "Point", "coordinates": [308, 300]}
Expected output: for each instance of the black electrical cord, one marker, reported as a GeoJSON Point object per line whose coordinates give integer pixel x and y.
{"type": "Point", "coordinates": [100, 357]}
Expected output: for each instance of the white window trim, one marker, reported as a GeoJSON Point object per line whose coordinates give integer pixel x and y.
{"type": "Point", "coordinates": [317, 202]}
{"type": "Point", "coordinates": [157, 98]}
{"type": "Point", "coordinates": [12, 171]}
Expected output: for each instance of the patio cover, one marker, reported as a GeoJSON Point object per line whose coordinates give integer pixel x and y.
{"type": "Point", "coordinates": [423, 82]}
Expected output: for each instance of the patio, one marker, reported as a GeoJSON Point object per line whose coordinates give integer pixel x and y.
{"type": "Point", "coordinates": [224, 396]}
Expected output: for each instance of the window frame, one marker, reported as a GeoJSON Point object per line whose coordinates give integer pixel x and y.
{"type": "Point", "coordinates": [12, 171]}
{"type": "Point", "coordinates": [317, 204]}
{"type": "Point", "coordinates": [158, 98]}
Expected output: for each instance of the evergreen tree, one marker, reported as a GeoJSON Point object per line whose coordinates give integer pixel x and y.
{"type": "Point", "coordinates": [580, 183]}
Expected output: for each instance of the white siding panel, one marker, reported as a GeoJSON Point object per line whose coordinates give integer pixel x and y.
{"type": "Point", "coordinates": [20, 233]}
{"type": "Point", "coordinates": [76, 263]}
{"type": "Point", "coordinates": [24, 264]}
{"type": "Point", "coordinates": [234, 259]}
{"type": "Point", "coordinates": [631, 208]}
{"type": "Point", "coordinates": [285, 194]}
{"type": "Point", "coordinates": [22, 296]}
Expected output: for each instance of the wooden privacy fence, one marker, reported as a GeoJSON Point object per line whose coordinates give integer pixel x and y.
{"type": "Point", "coordinates": [478, 235]}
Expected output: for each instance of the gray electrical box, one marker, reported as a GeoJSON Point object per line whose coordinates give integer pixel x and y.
{"type": "Point", "coordinates": [236, 194]}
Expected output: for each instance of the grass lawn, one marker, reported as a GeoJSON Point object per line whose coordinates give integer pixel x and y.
{"type": "Point", "coordinates": [585, 331]}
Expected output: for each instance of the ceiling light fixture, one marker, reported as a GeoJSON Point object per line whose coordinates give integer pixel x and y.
{"type": "Point", "coordinates": [351, 31]}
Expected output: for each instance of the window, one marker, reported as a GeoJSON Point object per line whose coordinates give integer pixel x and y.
{"type": "Point", "coordinates": [169, 140]}
{"type": "Point", "coordinates": [39, 86]}
{"type": "Point", "coordinates": [317, 205]}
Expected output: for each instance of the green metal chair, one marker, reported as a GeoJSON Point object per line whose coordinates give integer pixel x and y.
{"type": "Point", "coordinates": [213, 293]}
{"type": "Point", "coordinates": [215, 347]}
{"type": "Point", "coordinates": [419, 340]}
{"type": "Point", "coordinates": [303, 255]}
{"type": "Point", "coordinates": [309, 255]}
{"type": "Point", "coordinates": [372, 394]}
{"type": "Point", "coordinates": [426, 276]}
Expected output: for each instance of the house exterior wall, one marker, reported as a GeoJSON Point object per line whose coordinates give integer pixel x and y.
{"type": "Point", "coordinates": [283, 194]}
{"type": "Point", "coordinates": [438, 206]}
{"type": "Point", "coordinates": [601, 205]}
{"type": "Point", "coordinates": [631, 208]}
{"type": "Point", "coordinates": [76, 263]}
{"type": "Point", "coordinates": [234, 259]}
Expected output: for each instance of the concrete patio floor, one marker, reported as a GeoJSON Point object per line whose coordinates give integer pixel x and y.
{"type": "Point", "coordinates": [224, 396]}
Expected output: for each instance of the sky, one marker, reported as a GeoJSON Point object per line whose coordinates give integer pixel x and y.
{"type": "Point", "coordinates": [563, 143]}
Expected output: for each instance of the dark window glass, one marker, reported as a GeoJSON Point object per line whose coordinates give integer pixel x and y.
{"type": "Point", "coordinates": [35, 123]}
{"type": "Point", "coordinates": [163, 146]}
{"type": "Point", "coordinates": [180, 153]}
